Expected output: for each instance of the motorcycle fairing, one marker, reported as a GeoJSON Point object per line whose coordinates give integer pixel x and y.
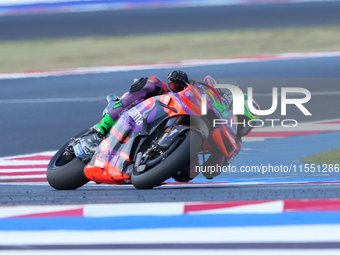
{"type": "Point", "coordinates": [108, 166]}
{"type": "Point", "coordinates": [104, 172]}
{"type": "Point", "coordinates": [113, 166]}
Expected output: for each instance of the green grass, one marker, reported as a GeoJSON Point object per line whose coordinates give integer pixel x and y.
{"type": "Point", "coordinates": [328, 157]}
{"type": "Point", "coordinates": [121, 50]}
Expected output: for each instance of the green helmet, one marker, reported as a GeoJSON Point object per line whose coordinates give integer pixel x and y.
{"type": "Point", "coordinates": [247, 112]}
{"type": "Point", "coordinates": [248, 118]}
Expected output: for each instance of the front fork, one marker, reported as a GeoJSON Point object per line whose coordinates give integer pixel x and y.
{"type": "Point", "coordinates": [83, 148]}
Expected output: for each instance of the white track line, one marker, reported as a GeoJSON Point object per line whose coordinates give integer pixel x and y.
{"type": "Point", "coordinates": [22, 177]}
{"type": "Point", "coordinates": [52, 100]}
{"type": "Point", "coordinates": [297, 233]}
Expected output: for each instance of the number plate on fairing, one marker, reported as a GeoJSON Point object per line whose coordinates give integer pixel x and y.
{"type": "Point", "coordinates": [77, 150]}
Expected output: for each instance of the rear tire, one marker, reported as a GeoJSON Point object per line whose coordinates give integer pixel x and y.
{"type": "Point", "coordinates": [63, 175]}
{"type": "Point", "coordinates": [171, 165]}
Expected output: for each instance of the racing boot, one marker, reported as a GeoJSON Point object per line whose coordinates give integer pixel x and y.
{"type": "Point", "coordinates": [104, 125]}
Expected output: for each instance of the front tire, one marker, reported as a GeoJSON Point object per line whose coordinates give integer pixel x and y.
{"type": "Point", "coordinates": [168, 167]}
{"type": "Point", "coordinates": [66, 175]}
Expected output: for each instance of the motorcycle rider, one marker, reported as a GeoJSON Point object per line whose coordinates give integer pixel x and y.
{"type": "Point", "coordinates": [140, 90]}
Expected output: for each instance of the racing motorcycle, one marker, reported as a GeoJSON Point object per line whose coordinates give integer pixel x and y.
{"type": "Point", "coordinates": [149, 144]}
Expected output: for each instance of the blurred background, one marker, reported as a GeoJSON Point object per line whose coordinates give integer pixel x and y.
{"type": "Point", "coordinates": [50, 34]}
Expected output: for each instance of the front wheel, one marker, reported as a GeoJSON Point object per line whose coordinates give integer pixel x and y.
{"type": "Point", "coordinates": [63, 174]}
{"type": "Point", "coordinates": [170, 165]}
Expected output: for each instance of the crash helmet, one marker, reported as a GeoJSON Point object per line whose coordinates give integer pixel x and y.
{"type": "Point", "coordinates": [249, 120]}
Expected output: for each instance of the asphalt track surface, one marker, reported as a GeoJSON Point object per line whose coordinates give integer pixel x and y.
{"type": "Point", "coordinates": [169, 20]}
{"type": "Point", "coordinates": [102, 194]}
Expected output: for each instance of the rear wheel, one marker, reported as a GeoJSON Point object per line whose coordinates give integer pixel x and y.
{"type": "Point", "coordinates": [63, 174]}
{"type": "Point", "coordinates": [170, 165]}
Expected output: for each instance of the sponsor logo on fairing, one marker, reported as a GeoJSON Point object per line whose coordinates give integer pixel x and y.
{"type": "Point", "coordinates": [136, 116]}
{"type": "Point", "coordinates": [238, 105]}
